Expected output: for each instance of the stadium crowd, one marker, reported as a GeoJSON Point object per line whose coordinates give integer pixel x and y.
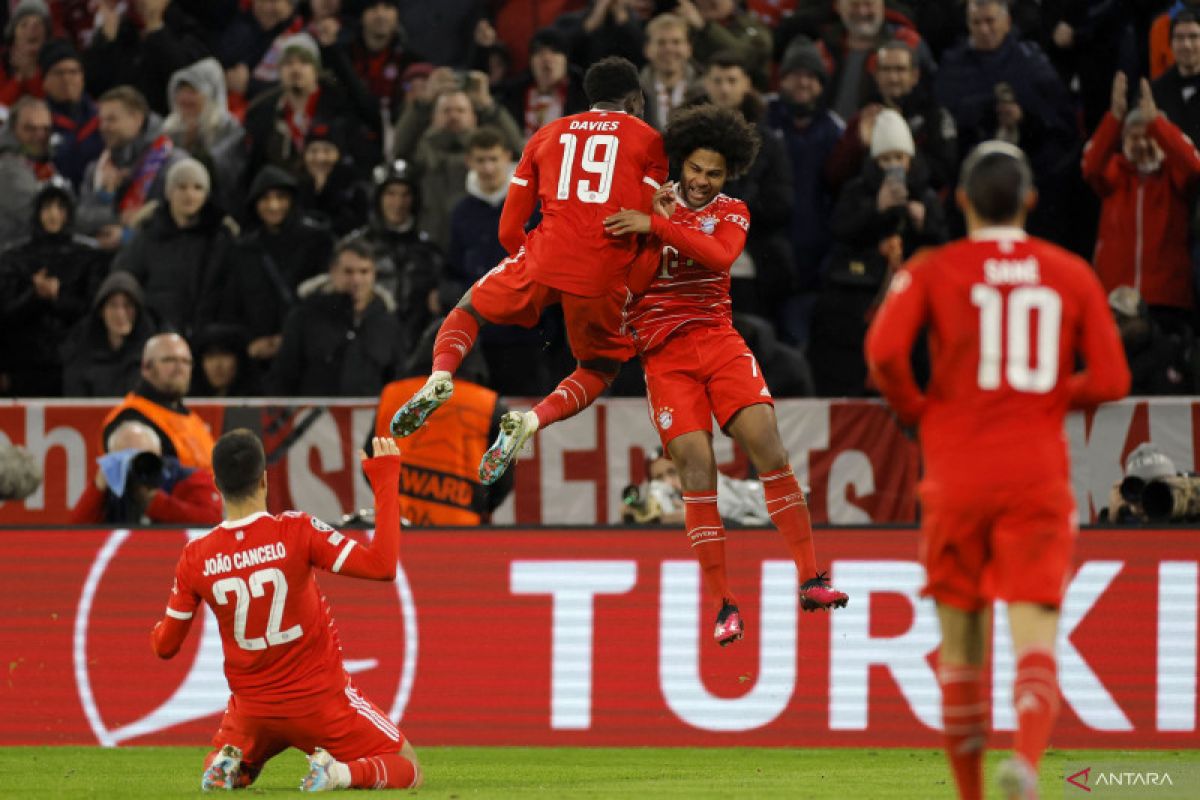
{"type": "Point", "coordinates": [300, 189]}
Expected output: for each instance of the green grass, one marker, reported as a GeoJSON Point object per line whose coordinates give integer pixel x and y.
{"type": "Point", "coordinates": [479, 772]}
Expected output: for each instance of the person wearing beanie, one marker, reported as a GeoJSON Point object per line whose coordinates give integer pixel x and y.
{"type": "Point", "coordinates": [178, 250]}
{"type": "Point", "coordinates": [29, 27]}
{"type": "Point", "coordinates": [102, 356]}
{"type": "Point", "coordinates": [549, 89]}
{"type": "Point", "coordinates": [46, 281]}
{"type": "Point", "coordinates": [76, 126]}
{"type": "Point", "coordinates": [809, 132]}
{"type": "Point", "coordinates": [24, 164]}
{"type": "Point", "coordinates": [328, 184]}
{"type": "Point", "coordinates": [250, 47]}
{"type": "Point", "coordinates": [279, 248]}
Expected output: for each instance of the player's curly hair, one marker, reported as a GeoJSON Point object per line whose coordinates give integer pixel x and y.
{"type": "Point", "coordinates": [712, 128]}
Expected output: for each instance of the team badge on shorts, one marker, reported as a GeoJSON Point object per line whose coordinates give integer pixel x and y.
{"type": "Point", "coordinates": [664, 417]}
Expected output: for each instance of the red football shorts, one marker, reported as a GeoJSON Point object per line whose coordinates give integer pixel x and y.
{"type": "Point", "coordinates": [346, 724]}
{"type": "Point", "coordinates": [700, 372]}
{"type": "Point", "coordinates": [509, 296]}
{"type": "Point", "coordinates": [984, 544]}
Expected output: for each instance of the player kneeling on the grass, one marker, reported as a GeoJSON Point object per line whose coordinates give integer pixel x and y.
{"type": "Point", "coordinates": [283, 660]}
{"type": "Point", "coordinates": [580, 168]}
{"type": "Point", "coordinates": [1009, 317]}
{"type": "Point", "coordinates": [697, 365]}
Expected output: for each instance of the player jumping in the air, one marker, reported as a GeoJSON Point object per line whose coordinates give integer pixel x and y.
{"type": "Point", "coordinates": [698, 366]}
{"type": "Point", "coordinates": [581, 168]}
{"type": "Point", "coordinates": [282, 656]}
{"type": "Point", "coordinates": [1009, 316]}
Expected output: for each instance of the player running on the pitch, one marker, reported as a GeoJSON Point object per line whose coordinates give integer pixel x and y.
{"type": "Point", "coordinates": [1008, 317]}
{"type": "Point", "coordinates": [698, 366]}
{"type": "Point", "coordinates": [581, 168]}
{"type": "Point", "coordinates": [282, 656]}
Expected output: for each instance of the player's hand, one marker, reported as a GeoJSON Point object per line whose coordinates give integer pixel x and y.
{"type": "Point", "coordinates": [627, 220]}
{"type": "Point", "coordinates": [383, 446]}
{"type": "Point", "coordinates": [664, 200]}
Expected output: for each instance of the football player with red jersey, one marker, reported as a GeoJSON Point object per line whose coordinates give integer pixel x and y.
{"type": "Point", "coordinates": [1008, 317]}
{"type": "Point", "coordinates": [581, 169]}
{"type": "Point", "coordinates": [282, 656]}
{"type": "Point", "coordinates": [698, 366]}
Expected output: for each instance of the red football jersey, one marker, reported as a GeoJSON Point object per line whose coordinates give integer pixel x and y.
{"type": "Point", "coordinates": [256, 574]}
{"type": "Point", "coordinates": [582, 168]}
{"type": "Point", "coordinates": [1007, 317]}
{"type": "Point", "coordinates": [695, 250]}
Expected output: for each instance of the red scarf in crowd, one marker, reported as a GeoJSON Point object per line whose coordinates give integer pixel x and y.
{"type": "Point", "coordinates": [147, 169]}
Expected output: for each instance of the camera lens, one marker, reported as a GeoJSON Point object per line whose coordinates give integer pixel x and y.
{"type": "Point", "coordinates": [146, 469]}
{"type": "Point", "coordinates": [1131, 489]}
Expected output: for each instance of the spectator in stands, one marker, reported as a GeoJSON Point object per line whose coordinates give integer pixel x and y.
{"type": "Point", "coordinates": [122, 53]}
{"type": "Point", "coordinates": [513, 354]}
{"type": "Point", "coordinates": [764, 275]}
{"type": "Point", "coordinates": [1088, 42]}
{"type": "Point", "coordinates": [76, 133]}
{"type": "Point", "coordinates": [158, 402]}
{"type": "Point", "coordinates": [891, 194]}
{"type": "Point", "coordinates": [407, 264]}
{"type": "Point", "coordinates": [551, 88]}
{"type": "Point", "coordinates": [1146, 173]}
{"type": "Point", "coordinates": [850, 46]}
{"type": "Point", "coordinates": [130, 171]}
{"type": "Point", "coordinates": [441, 161]}
{"type": "Point", "coordinates": [328, 186]}
{"type": "Point", "coordinates": [1000, 87]}
{"type": "Point", "coordinates": [1177, 92]}
{"type": "Point", "coordinates": [448, 445]}
{"type": "Point", "coordinates": [46, 285]}
{"type": "Point", "coordinates": [201, 124]}
{"type": "Point", "coordinates": [722, 26]}
{"type": "Point", "coordinates": [809, 132]}
{"type": "Point", "coordinates": [24, 165]}
{"type": "Point", "coordinates": [343, 340]}
{"type": "Point", "coordinates": [178, 250]}
{"type": "Point", "coordinates": [27, 30]}
{"type": "Point", "coordinates": [278, 121]}
{"type": "Point", "coordinates": [225, 366]}
{"type": "Point", "coordinates": [380, 53]}
{"type": "Point", "coordinates": [784, 367]}
{"type": "Point", "coordinates": [251, 47]}
{"type": "Point", "coordinates": [103, 353]}
{"type": "Point", "coordinates": [136, 484]}
{"type": "Point", "coordinates": [421, 115]}
{"type": "Point", "coordinates": [605, 28]}
{"type": "Point", "coordinates": [669, 78]}
{"type": "Point", "coordinates": [1161, 363]}
{"type": "Point", "coordinates": [446, 28]}
{"type": "Point", "coordinates": [281, 248]}
{"type": "Point", "coordinates": [898, 85]}
{"type": "Point", "coordinates": [1162, 56]}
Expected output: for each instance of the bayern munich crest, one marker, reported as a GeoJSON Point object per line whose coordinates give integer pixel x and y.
{"type": "Point", "coordinates": [708, 224]}
{"type": "Point", "coordinates": [664, 417]}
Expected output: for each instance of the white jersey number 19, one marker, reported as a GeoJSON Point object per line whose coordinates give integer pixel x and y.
{"type": "Point", "coordinates": [601, 167]}
{"type": "Point", "coordinates": [1013, 350]}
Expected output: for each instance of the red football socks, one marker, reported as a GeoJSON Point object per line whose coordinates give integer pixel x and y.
{"type": "Point", "coordinates": [964, 726]}
{"type": "Point", "coordinates": [707, 535]}
{"type": "Point", "coordinates": [1035, 696]}
{"type": "Point", "coordinates": [454, 340]}
{"type": "Point", "coordinates": [789, 512]}
{"type": "Point", "coordinates": [577, 391]}
{"type": "Point", "coordinates": [388, 771]}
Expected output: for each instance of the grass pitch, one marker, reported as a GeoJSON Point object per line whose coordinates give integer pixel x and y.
{"type": "Point", "coordinates": [460, 773]}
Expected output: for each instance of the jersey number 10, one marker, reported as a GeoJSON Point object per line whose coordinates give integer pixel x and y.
{"type": "Point", "coordinates": [1013, 350]}
{"type": "Point", "coordinates": [601, 167]}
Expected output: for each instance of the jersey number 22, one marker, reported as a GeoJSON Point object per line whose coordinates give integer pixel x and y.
{"type": "Point", "coordinates": [242, 592]}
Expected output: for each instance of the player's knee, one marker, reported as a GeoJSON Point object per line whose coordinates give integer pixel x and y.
{"type": "Point", "coordinates": [766, 451]}
{"type": "Point", "coordinates": [698, 472]}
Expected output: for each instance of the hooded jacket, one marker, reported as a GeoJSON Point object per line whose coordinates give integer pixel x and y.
{"type": "Point", "coordinates": [265, 267]}
{"type": "Point", "coordinates": [91, 367]}
{"type": "Point", "coordinates": [342, 201]}
{"type": "Point", "coordinates": [36, 328]}
{"type": "Point", "coordinates": [219, 142]}
{"type": "Point", "coordinates": [1143, 237]}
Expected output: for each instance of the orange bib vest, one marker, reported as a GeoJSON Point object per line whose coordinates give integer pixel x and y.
{"type": "Point", "coordinates": [439, 473]}
{"type": "Point", "coordinates": [189, 435]}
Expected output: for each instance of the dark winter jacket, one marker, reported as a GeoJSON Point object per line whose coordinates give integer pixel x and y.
{"type": "Point", "coordinates": [180, 269]}
{"type": "Point", "coordinates": [1179, 98]}
{"type": "Point", "coordinates": [342, 201]}
{"type": "Point", "coordinates": [858, 223]}
{"type": "Point", "coordinates": [91, 367]}
{"type": "Point", "coordinates": [327, 353]}
{"type": "Point", "coordinates": [78, 137]}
